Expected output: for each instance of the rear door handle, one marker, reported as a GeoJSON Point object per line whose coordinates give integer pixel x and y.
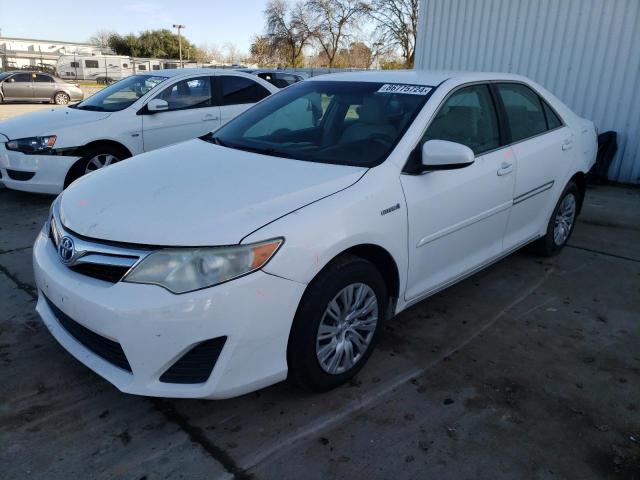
{"type": "Point", "coordinates": [505, 168]}
{"type": "Point", "coordinates": [567, 144]}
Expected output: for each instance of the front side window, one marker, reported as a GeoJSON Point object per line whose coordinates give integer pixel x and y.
{"type": "Point", "coordinates": [91, 63]}
{"type": "Point", "coordinates": [21, 77]}
{"type": "Point", "coordinates": [344, 123]}
{"type": "Point", "coordinates": [43, 78]}
{"type": "Point", "coordinates": [524, 111]}
{"type": "Point", "coordinates": [467, 117]}
{"type": "Point", "coordinates": [239, 90]}
{"type": "Point", "coordinates": [190, 93]}
{"type": "Point", "coordinates": [120, 95]}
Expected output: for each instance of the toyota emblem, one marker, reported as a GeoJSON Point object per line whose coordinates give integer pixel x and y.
{"type": "Point", "coordinates": [66, 249]}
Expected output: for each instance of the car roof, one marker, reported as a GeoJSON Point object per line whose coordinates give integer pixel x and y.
{"type": "Point", "coordinates": [415, 77]}
{"type": "Point", "coordinates": [174, 72]}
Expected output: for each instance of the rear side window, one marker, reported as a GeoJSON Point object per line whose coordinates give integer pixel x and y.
{"type": "Point", "coordinates": [238, 90]}
{"type": "Point", "coordinates": [553, 121]}
{"type": "Point", "coordinates": [43, 78]}
{"type": "Point", "coordinates": [524, 111]}
{"type": "Point", "coordinates": [467, 117]}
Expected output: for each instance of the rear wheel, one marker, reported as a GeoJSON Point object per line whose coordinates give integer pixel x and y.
{"type": "Point", "coordinates": [337, 324]}
{"type": "Point", "coordinates": [61, 98]}
{"type": "Point", "coordinates": [561, 223]}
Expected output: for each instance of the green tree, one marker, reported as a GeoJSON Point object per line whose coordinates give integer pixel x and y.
{"type": "Point", "coordinates": [152, 43]}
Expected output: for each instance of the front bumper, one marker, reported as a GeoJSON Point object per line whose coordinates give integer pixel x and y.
{"type": "Point", "coordinates": [155, 327]}
{"type": "Point", "coordinates": [34, 173]}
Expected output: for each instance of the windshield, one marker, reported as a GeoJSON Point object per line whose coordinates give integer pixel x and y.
{"type": "Point", "coordinates": [345, 123]}
{"type": "Point", "coordinates": [121, 94]}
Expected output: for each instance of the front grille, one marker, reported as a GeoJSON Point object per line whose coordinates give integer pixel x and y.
{"type": "Point", "coordinates": [106, 261]}
{"type": "Point", "coordinates": [103, 347]}
{"type": "Point", "coordinates": [108, 273]}
{"type": "Point", "coordinates": [18, 175]}
{"type": "Point", "coordinates": [196, 365]}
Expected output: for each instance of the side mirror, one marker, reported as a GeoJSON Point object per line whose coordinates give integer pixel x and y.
{"type": "Point", "coordinates": [444, 155]}
{"type": "Point", "coordinates": [157, 105]}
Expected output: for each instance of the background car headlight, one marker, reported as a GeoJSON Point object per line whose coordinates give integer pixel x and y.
{"type": "Point", "coordinates": [32, 144]}
{"type": "Point", "coordinates": [182, 270]}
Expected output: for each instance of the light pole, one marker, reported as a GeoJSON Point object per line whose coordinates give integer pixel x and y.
{"type": "Point", "coordinates": [180, 27]}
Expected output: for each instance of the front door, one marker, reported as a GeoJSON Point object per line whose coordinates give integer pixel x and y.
{"type": "Point", "coordinates": [192, 113]}
{"type": "Point", "coordinates": [457, 218]}
{"type": "Point", "coordinates": [18, 87]}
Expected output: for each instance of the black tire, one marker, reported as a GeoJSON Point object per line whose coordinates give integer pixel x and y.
{"type": "Point", "coordinates": [61, 98]}
{"type": "Point", "coordinates": [305, 369]}
{"type": "Point", "coordinates": [80, 167]}
{"type": "Point", "coordinates": [547, 246]}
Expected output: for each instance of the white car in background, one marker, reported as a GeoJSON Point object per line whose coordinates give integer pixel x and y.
{"type": "Point", "coordinates": [279, 245]}
{"type": "Point", "coordinates": [45, 151]}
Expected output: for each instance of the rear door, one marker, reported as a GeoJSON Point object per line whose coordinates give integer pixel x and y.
{"type": "Point", "coordinates": [44, 86]}
{"type": "Point", "coordinates": [543, 150]}
{"type": "Point", "coordinates": [238, 93]}
{"type": "Point", "coordinates": [192, 112]}
{"type": "Point", "coordinates": [18, 87]}
{"type": "Point", "coordinates": [457, 218]}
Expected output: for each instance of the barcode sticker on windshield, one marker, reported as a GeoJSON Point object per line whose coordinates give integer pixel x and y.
{"type": "Point", "coordinates": [405, 89]}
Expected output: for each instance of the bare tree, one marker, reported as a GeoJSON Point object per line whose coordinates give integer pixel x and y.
{"type": "Point", "coordinates": [397, 20]}
{"type": "Point", "coordinates": [332, 21]}
{"type": "Point", "coordinates": [210, 53]}
{"type": "Point", "coordinates": [286, 27]}
{"type": "Point", "coordinates": [233, 54]}
{"type": "Point", "coordinates": [262, 51]}
{"type": "Point", "coordinates": [102, 38]}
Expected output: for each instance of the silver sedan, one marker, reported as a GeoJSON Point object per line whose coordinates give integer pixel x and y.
{"type": "Point", "coordinates": [37, 87]}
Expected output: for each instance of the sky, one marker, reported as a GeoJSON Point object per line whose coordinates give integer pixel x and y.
{"type": "Point", "coordinates": [213, 21]}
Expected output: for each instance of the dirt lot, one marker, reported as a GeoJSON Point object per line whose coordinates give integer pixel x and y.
{"type": "Point", "coordinates": [530, 369]}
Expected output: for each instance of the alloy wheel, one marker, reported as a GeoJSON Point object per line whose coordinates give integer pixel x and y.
{"type": "Point", "coordinates": [100, 161]}
{"type": "Point", "coordinates": [61, 98]}
{"type": "Point", "coordinates": [565, 217]}
{"type": "Point", "coordinates": [346, 328]}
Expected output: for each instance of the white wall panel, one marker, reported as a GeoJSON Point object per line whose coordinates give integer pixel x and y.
{"type": "Point", "coordinates": [587, 52]}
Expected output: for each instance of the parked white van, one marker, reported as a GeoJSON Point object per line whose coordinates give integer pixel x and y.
{"type": "Point", "coordinates": [47, 150]}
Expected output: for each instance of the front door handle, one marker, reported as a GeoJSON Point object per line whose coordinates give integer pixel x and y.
{"type": "Point", "coordinates": [505, 168]}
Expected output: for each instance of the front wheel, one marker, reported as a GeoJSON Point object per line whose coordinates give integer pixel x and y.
{"type": "Point", "coordinates": [94, 159]}
{"type": "Point", "coordinates": [337, 324]}
{"type": "Point", "coordinates": [561, 223]}
{"type": "Point", "coordinates": [61, 98]}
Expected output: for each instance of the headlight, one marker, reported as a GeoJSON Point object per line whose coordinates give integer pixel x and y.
{"type": "Point", "coordinates": [182, 270]}
{"type": "Point", "coordinates": [32, 144]}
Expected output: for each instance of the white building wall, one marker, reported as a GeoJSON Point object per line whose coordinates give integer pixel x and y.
{"type": "Point", "coordinates": [587, 52]}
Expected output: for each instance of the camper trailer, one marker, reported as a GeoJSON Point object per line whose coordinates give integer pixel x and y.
{"type": "Point", "coordinates": [109, 68]}
{"type": "Point", "coordinates": [100, 68]}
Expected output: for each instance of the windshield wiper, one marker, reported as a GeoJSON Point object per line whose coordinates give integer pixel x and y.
{"type": "Point", "coordinates": [209, 137]}
{"type": "Point", "coordinates": [93, 108]}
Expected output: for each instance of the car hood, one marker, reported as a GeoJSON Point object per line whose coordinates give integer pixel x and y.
{"type": "Point", "coordinates": [195, 194]}
{"type": "Point", "coordinates": [47, 122]}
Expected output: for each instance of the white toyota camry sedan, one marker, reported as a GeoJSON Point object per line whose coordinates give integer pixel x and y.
{"type": "Point", "coordinates": [279, 245]}
{"type": "Point", "coordinates": [45, 151]}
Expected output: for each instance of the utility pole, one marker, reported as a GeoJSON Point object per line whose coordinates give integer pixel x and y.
{"type": "Point", "coordinates": [180, 27]}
